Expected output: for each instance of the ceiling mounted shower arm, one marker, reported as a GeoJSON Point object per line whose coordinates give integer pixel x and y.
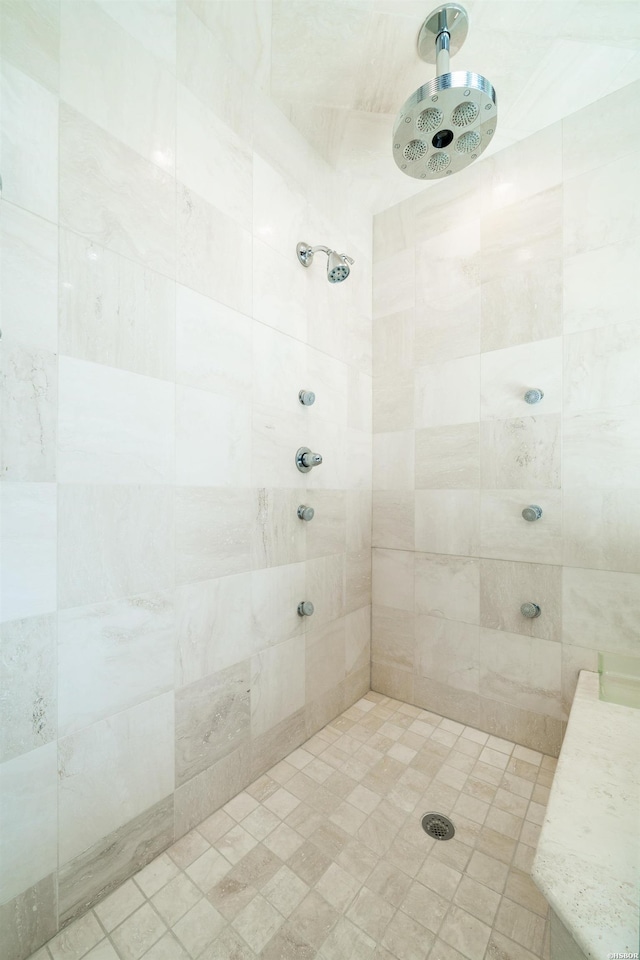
{"type": "Point", "coordinates": [443, 43]}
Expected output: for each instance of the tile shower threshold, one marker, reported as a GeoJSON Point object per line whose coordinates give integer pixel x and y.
{"type": "Point", "coordinates": [325, 856]}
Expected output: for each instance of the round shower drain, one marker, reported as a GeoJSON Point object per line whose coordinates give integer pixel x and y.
{"type": "Point", "coordinates": [438, 826]}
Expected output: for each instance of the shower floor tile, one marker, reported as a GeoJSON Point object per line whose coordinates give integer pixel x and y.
{"type": "Point", "coordinates": [324, 856]}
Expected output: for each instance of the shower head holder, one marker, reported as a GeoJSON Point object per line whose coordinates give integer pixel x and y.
{"type": "Point", "coordinates": [337, 263]}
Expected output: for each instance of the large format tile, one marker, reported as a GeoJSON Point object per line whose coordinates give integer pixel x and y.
{"type": "Point", "coordinates": [222, 176]}
{"type": "Point", "coordinates": [29, 266]}
{"type": "Point", "coordinates": [114, 542]}
{"type": "Point", "coordinates": [28, 426]}
{"type": "Point", "coordinates": [212, 719]}
{"type": "Point", "coordinates": [596, 290]}
{"type": "Point", "coordinates": [115, 311]}
{"type": "Point", "coordinates": [600, 528]}
{"type": "Point", "coordinates": [111, 195]}
{"type": "Point", "coordinates": [112, 656]}
{"type": "Point", "coordinates": [100, 63]}
{"type": "Point", "coordinates": [31, 39]}
{"type": "Point", "coordinates": [28, 711]}
{"type": "Point", "coordinates": [602, 448]}
{"type": "Point", "coordinates": [505, 585]}
{"type": "Point", "coordinates": [520, 453]}
{"type": "Point", "coordinates": [214, 252]}
{"type": "Point", "coordinates": [447, 586]}
{"type": "Point", "coordinates": [154, 28]}
{"type": "Point", "coordinates": [448, 392]}
{"type": "Point", "coordinates": [29, 920]}
{"type": "Point", "coordinates": [28, 550]}
{"type": "Point", "coordinates": [214, 624]}
{"type": "Point", "coordinates": [505, 535]}
{"type": "Point", "coordinates": [277, 684]}
{"type": "Point", "coordinates": [448, 457]}
{"type": "Point", "coordinates": [447, 521]}
{"type": "Point", "coordinates": [112, 771]}
{"type": "Point", "coordinates": [599, 609]}
{"type": "Point", "coordinates": [523, 306]}
{"type": "Point", "coordinates": [523, 671]}
{"type": "Point", "coordinates": [587, 204]}
{"type": "Point", "coordinates": [98, 871]}
{"type": "Point", "coordinates": [507, 375]}
{"type": "Point", "coordinates": [213, 439]}
{"type": "Point", "coordinates": [599, 365]}
{"type": "Point", "coordinates": [113, 426]}
{"type": "Point", "coordinates": [213, 345]}
{"type": "Point", "coordinates": [214, 530]}
{"type": "Point", "coordinates": [448, 651]}
{"type": "Point", "coordinates": [29, 150]}
{"type": "Point", "coordinates": [29, 820]}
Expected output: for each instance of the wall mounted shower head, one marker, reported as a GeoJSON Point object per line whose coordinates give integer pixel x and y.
{"type": "Point", "coordinates": [337, 263]}
{"type": "Point", "coordinates": [449, 121]}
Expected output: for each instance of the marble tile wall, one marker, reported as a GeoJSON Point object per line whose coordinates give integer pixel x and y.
{"type": "Point", "coordinates": [517, 273]}
{"type": "Point", "coordinates": [156, 330]}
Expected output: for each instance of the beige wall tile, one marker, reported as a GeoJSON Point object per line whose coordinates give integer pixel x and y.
{"type": "Point", "coordinates": [393, 583]}
{"type": "Point", "coordinates": [522, 306]}
{"type": "Point", "coordinates": [523, 671]}
{"type": "Point", "coordinates": [113, 770]}
{"type": "Point", "coordinates": [599, 365]}
{"type": "Point", "coordinates": [114, 541]}
{"type": "Point", "coordinates": [587, 205]}
{"type": "Point", "coordinates": [212, 719]}
{"type": "Point", "coordinates": [600, 610]}
{"type": "Point", "coordinates": [448, 651]}
{"type": "Point", "coordinates": [448, 457]}
{"type": "Point", "coordinates": [392, 640]}
{"type": "Point", "coordinates": [101, 199]}
{"type": "Point", "coordinates": [28, 712]}
{"type": "Point", "coordinates": [393, 460]}
{"type": "Point", "coordinates": [393, 519]}
{"type": "Point", "coordinates": [31, 40]}
{"type": "Point", "coordinates": [600, 528]}
{"type": "Point", "coordinates": [520, 453]}
{"type": "Point", "coordinates": [577, 128]}
{"type": "Point", "coordinates": [29, 296]}
{"type": "Point", "coordinates": [596, 291]}
{"type": "Point", "coordinates": [447, 521]}
{"type": "Point", "coordinates": [447, 392]}
{"type": "Point", "coordinates": [505, 585]}
{"type": "Point", "coordinates": [277, 684]}
{"type": "Point", "coordinates": [528, 230]}
{"type": "Point", "coordinates": [508, 374]}
{"type": "Point", "coordinates": [112, 656]}
{"type": "Point", "coordinates": [29, 819]}
{"type": "Point", "coordinates": [504, 534]}
{"type": "Point", "coordinates": [602, 448]}
{"type": "Point", "coordinates": [447, 587]}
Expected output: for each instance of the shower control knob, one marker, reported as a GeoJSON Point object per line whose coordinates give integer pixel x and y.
{"type": "Point", "coordinates": [306, 459]}
{"type": "Point", "coordinates": [533, 396]}
{"type": "Point", "coordinates": [305, 609]}
{"type": "Point", "coordinates": [306, 513]}
{"type": "Point", "coordinates": [532, 512]}
{"type": "Point", "coordinates": [307, 398]}
{"type": "Point", "coordinates": [530, 610]}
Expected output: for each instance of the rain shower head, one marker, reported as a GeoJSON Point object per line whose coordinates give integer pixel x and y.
{"type": "Point", "coordinates": [337, 263]}
{"type": "Point", "coordinates": [449, 121]}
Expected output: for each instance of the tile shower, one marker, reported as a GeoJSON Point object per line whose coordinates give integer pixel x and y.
{"type": "Point", "coordinates": [156, 331]}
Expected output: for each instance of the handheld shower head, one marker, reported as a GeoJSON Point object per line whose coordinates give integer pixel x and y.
{"type": "Point", "coordinates": [337, 263]}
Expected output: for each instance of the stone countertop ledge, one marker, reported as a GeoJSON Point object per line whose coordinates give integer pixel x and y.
{"type": "Point", "coordinates": [587, 861]}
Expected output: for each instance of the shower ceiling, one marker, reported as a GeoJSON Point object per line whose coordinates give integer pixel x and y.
{"type": "Point", "coordinates": [340, 68]}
